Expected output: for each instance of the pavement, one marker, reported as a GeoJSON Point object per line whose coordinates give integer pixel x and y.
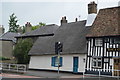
{"type": "Point", "coordinates": [51, 74]}
{"type": "Point", "coordinates": [60, 79]}
{"type": "Point", "coordinates": [6, 75]}
{"type": "Point", "coordinates": [40, 74]}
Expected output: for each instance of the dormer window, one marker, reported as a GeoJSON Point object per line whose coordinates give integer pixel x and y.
{"type": "Point", "coordinates": [98, 42]}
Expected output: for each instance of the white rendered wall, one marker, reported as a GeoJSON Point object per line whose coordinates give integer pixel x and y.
{"type": "Point", "coordinates": [44, 62]}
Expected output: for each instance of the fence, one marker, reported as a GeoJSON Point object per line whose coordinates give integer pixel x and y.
{"type": "Point", "coordinates": [13, 67]}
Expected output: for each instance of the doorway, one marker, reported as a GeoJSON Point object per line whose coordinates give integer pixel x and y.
{"type": "Point", "coordinates": [75, 64]}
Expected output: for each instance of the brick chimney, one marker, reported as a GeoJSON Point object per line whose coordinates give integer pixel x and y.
{"type": "Point", "coordinates": [63, 20]}
{"type": "Point", "coordinates": [28, 27]}
{"type": "Point", "coordinates": [2, 29]}
{"type": "Point", "coordinates": [92, 7]}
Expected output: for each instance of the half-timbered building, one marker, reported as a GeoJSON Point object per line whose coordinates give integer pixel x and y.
{"type": "Point", "coordinates": [103, 43]}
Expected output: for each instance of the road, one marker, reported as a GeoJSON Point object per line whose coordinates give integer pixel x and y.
{"type": "Point", "coordinates": [47, 75]}
{"type": "Point", "coordinates": [60, 79]}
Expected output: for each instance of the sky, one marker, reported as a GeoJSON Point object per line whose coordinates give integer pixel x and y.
{"type": "Point", "coordinates": [47, 11]}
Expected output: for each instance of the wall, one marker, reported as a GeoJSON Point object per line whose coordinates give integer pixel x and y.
{"type": "Point", "coordinates": [44, 62]}
{"type": "Point", "coordinates": [101, 51]}
{"type": "Point", "coordinates": [6, 48]}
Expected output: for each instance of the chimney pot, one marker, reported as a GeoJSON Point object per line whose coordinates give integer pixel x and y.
{"type": "Point", "coordinates": [65, 17]}
{"type": "Point", "coordinates": [63, 20]}
{"type": "Point", "coordinates": [76, 19]}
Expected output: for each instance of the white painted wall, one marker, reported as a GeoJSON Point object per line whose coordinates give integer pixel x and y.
{"type": "Point", "coordinates": [44, 62]}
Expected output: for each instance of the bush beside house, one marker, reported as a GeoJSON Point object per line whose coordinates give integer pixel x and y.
{"type": "Point", "coordinates": [21, 51]}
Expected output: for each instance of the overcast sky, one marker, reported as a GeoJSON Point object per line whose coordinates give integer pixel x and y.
{"type": "Point", "coordinates": [36, 11]}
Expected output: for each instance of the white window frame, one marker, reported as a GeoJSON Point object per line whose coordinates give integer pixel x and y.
{"type": "Point", "coordinates": [98, 42]}
{"type": "Point", "coordinates": [106, 60]}
{"type": "Point", "coordinates": [96, 60]}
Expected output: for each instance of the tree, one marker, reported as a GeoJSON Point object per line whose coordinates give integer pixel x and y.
{"type": "Point", "coordinates": [13, 27]}
{"type": "Point", "coordinates": [38, 26]}
{"type": "Point", "coordinates": [21, 51]}
{"type": "Point", "coordinates": [23, 29]}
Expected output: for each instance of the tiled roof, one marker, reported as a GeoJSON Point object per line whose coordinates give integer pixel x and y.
{"type": "Point", "coordinates": [107, 23]}
{"type": "Point", "coordinates": [9, 36]}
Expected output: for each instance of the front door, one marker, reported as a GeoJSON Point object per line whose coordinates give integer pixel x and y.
{"type": "Point", "coordinates": [117, 67]}
{"type": "Point", "coordinates": [75, 64]}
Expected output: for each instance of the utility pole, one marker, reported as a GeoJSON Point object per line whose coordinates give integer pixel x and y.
{"type": "Point", "coordinates": [58, 50]}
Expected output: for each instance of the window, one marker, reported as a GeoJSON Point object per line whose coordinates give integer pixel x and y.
{"type": "Point", "coordinates": [106, 60]}
{"type": "Point", "coordinates": [117, 40]}
{"type": "Point", "coordinates": [98, 42]}
{"type": "Point", "coordinates": [55, 61]}
{"type": "Point", "coordinates": [107, 40]}
{"type": "Point", "coordinates": [111, 41]}
{"type": "Point", "coordinates": [97, 63]}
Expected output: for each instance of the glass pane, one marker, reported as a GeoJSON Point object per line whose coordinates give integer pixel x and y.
{"type": "Point", "coordinates": [94, 63]}
{"type": "Point", "coordinates": [111, 41]}
{"type": "Point", "coordinates": [106, 60]}
{"type": "Point", "coordinates": [99, 59]}
{"type": "Point", "coordinates": [99, 64]}
{"type": "Point", "coordinates": [56, 61]}
{"type": "Point", "coordinates": [106, 40]}
{"type": "Point", "coordinates": [98, 42]}
{"type": "Point", "coordinates": [94, 59]}
{"type": "Point", "coordinates": [117, 40]}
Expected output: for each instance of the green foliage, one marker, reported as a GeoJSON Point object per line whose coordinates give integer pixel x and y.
{"type": "Point", "coordinates": [23, 29]}
{"type": "Point", "coordinates": [38, 26]}
{"type": "Point", "coordinates": [4, 58]}
{"type": "Point", "coordinates": [13, 27]}
{"type": "Point", "coordinates": [21, 51]}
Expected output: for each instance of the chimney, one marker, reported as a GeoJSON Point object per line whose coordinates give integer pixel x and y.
{"type": "Point", "coordinates": [28, 27]}
{"type": "Point", "coordinates": [119, 3]}
{"type": "Point", "coordinates": [92, 7]}
{"type": "Point", "coordinates": [20, 30]}
{"type": "Point", "coordinates": [63, 20]}
{"type": "Point", "coordinates": [2, 29]}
